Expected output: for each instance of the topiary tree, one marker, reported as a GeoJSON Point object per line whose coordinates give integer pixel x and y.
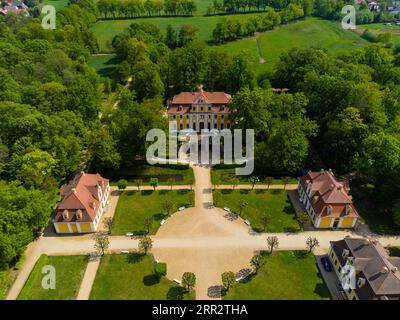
{"type": "Point", "coordinates": [228, 279]}
{"type": "Point", "coordinates": [160, 269]}
{"type": "Point", "coordinates": [188, 280]}
{"type": "Point", "coordinates": [253, 180]}
{"type": "Point", "coordinates": [154, 183]}
{"type": "Point", "coordinates": [122, 184]}
{"type": "Point", "coordinates": [101, 242]}
{"type": "Point", "coordinates": [303, 218]}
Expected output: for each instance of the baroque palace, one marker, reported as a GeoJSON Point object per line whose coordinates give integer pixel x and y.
{"type": "Point", "coordinates": [200, 110]}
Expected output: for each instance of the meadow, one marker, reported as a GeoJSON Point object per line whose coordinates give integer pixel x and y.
{"type": "Point", "coordinates": [263, 49]}
{"type": "Point", "coordinates": [378, 28]}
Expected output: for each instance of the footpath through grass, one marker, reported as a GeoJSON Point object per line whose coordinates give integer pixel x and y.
{"type": "Point", "coordinates": [135, 206]}
{"type": "Point", "coordinates": [275, 204]}
{"type": "Point", "coordinates": [285, 275]}
{"type": "Point", "coordinates": [69, 273]}
{"type": "Point", "coordinates": [131, 277]}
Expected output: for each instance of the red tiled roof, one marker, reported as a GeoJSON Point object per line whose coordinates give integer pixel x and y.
{"type": "Point", "coordinates": [199, 96]}
{"type": "Point", "coordinates": [329, 195]}
{"type": "Point", "coordinates": [80, 194]}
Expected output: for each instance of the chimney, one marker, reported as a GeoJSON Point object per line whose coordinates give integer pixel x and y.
{"type": "Point", "coordinates": [73, 190]}
{"type": "Point", "coordinates": [385, 270]}
{"type": "Point", "coordinates": [330, 171]}
{"type": "Point", "coordinates": [394, 269]}
{"type": "Point", "coordinates": [82, 172]}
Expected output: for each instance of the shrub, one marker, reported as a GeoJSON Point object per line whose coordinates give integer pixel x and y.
{"type": "Point", "coordinates": [160, 269]}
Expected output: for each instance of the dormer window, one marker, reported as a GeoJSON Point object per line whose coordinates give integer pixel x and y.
{"type": "Point", "coordinates": [179, 108]}
{"type": "Point", "coordinates": [65, 214]}
{"type": "Point", "coordinates": [348, 210]}
{"type": "Point", "coordinates": [345, 253]}
{"type": "Point", "coordinates": [79, 215]}
{"type": "Point", "coordinates": [329, 210]}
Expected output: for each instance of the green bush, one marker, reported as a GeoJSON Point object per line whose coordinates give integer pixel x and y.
{"type": "Point", "coordinates": [160, 268]}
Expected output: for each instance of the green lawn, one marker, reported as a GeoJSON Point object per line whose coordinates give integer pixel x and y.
{"type": "Point", "coordinates": [106, 30]}
{"type": "Point", "coordinates": [58, 4]}
{"type": "Point", "coordinates": [131, 277]}
{"type": "Point", "coordinates": [180, 174]}
{"type": "Point", "coordinates": [103, 64]}
{"type": "Point", "coordinates": [304, 33]}
{"type": "Point", "coordinates": [6, 279]}
{"type": "Point", "coordinates": [69, 274]}
{"type": "Point", "coordinates": [224, 176]}
{"type": "Point", "coordinates": [286, 275]}
{"type": "Point", "coordinates": [274, 203]}
{"type": "Point", "coordinates": [135, 206]}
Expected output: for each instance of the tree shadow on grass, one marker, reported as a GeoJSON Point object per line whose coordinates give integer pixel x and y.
{"type": "Point", "coordinates": [301, 254]}
{"type": "Point", "coordinates": [322, 290]}
{"type": "Point", "coordinates": [276, 191]}
{"type": "Point", "coordinates": [183, 191]}
{"type": "Point", "coordinates": [260, 191]}
{"type": "Point", "coordinates": [244, 191]}
{"type": "Point", "coordinates": [226, 191]}
{"type": "Point", "coordinates": [159, 216]}
{"type": "Point", "coordinates": [146, 192]}
{"type": "Point", "coordinates": [163, 192]}
{"type": "Point", "coordinates": [134, 257]}
{"type": "Point", "coordinates": [176, 293]}
{"type": "Point", "coordinates": [151, 280]}
{"type": "Point", "coordinates": [130, 192]}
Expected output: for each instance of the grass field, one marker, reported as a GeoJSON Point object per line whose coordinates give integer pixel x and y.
{"type": "Point", "coordinates": [286, 275]}
{"type": "Point", "coordinates": [103, 64]}
{"type": "Point", "coordinates": [6, 279]}
{"type": "Point", "coordinates": [106, 30]}
{"type": "Point", "coordinates": [131, 277]}
{"type": "Point", "coordinates": [274, 203]}
{"type": "Point", "coordinates": [221, 176]}
{"type": "Point", "coordinates": [304, 33]}
{"type": "Point", "coordinates": [58, 4]}
{"type": "Point", "coordinates": [135, 206]}
{"type": "Point", "coordinates": [69, 274]}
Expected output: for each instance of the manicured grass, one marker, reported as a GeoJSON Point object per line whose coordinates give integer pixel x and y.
{"type": "Point", "coordinates": [107, 29]}
{"type": "Point", "coordinates": [225, 176]}
{"type": "Point", "coordinates": [103, 64]}
{"type": "Point", "coordinates": [286, 275]}
{"type": "Point", "coordinates": [69, 274]}
{"type": "Point", "coordinates": [135, 206]}
{"type": "Point", "coordinates": [274, 203]}
{"type": "Point", "coordinates": [394, 251]}
{"type": "Point", "coordinates": [302, 34]}
{"type": "Point", "coordinates": [6, 280]}
{"type": "Point", "coordinates": [58, 4]}
{"type": "Point", "coordinates": [180, 174]}
{"type": "Point", "coordinates": [131, 277]}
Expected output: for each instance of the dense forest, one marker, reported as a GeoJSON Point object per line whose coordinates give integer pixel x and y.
{"type": "Point", "coordinates": [51, 123]}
